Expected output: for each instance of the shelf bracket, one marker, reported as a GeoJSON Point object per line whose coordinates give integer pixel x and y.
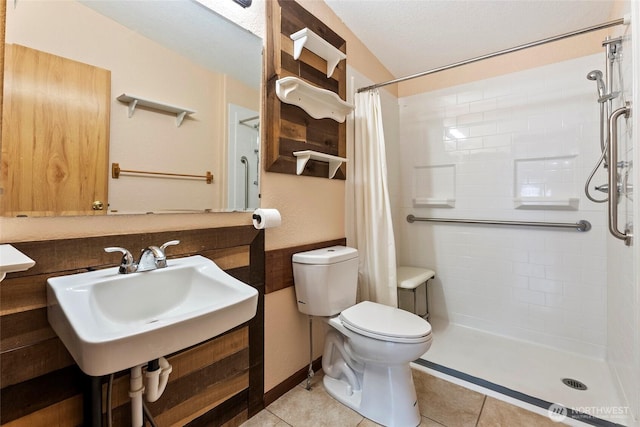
{"type": "Point", "coordinates": [302, 157]}
{"type": "Point", "coordinates": [180, 117]}
{"type": "Point", "coordinates": [132, 107]}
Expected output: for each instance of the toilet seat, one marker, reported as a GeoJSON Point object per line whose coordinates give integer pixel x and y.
{"type": "Point", "coordinates": [385, 323]}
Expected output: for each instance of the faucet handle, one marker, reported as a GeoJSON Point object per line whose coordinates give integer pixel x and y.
{"type": "Point", "coordinates": [126, 265]}
{"type": "Point", "coordinates": [169, 243]}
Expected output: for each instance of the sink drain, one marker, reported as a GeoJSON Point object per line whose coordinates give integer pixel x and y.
{"type": "Point", "coordinates": [574, 384]}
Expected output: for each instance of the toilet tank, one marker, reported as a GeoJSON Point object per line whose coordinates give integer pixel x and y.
{"type": "Point", "coordinates": [326, 280]}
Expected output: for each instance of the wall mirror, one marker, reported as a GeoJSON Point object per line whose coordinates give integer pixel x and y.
{"type": "Point", "coordinates": [115, 107]}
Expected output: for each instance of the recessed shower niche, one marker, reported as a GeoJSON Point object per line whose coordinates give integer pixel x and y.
{"type": "Point", "coordinates": [546, 183]}
{"type": "Point", "coordinates": [434, 186]}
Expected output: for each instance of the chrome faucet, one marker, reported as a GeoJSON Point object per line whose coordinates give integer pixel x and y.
{"type": "Point", "coordinates": [151, 258]}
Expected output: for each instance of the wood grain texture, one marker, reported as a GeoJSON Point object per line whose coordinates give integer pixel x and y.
{"type": "Point", "coordinates": [289, 128]}
{"type": "Point", "coordinates": [66, 413]}
{"type": "Point", "coordinates": [3, 19]}
{"type": "Point", "coordinates": [23, 402]}
{"type": "Point", "coordinates": [62, 107]}
{"type": "Point", "coordinates": [40, 381]}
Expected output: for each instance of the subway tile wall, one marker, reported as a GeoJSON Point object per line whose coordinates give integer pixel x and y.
{"type": "Point", "coordinates": [531, 135]}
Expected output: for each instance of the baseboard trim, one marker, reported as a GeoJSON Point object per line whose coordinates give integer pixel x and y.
{"type": "Point", "coordinates": [288, 384]}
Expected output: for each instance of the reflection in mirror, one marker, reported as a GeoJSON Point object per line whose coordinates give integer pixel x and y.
{"type": "Point", "coordinates": [244, 158]}
{"type": "Point", "coordinates": [191, 81]}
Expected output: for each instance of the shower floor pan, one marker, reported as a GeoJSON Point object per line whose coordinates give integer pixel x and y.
{"type": "Point", "coordinates": [522, 373]}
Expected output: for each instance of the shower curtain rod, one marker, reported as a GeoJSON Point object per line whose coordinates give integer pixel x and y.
{"type": "Point", "coordinates": [498, 53]}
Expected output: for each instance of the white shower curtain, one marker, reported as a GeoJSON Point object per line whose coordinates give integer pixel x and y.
{"type": "Point", "coordinates": [369, 224]}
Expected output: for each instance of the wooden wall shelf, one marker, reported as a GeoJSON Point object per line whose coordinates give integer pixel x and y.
{"type": "Point", "coordinates": [294, 124]}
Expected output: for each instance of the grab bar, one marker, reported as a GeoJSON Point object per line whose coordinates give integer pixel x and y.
{"type": "Point", "coordinates": [245, 162]}
{"type": "Point", "coordinates": [582, 225]}
{"type": "Point", "coordinates": [613, 175]}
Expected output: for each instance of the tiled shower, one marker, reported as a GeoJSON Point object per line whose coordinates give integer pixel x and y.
{"type": "Point", "coordinates": [520, 147]}
{"type": "Point", "coordinates": [516, 147]}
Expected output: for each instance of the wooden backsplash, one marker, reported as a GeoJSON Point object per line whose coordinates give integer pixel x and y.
{"type": "Point", "coordinates": [288, 127]}
{"type": "Point", "coordinates": [218, 382]}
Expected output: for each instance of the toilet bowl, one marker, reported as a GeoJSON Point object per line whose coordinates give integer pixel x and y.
{"type": "Point", "coordinates": [369, 346]}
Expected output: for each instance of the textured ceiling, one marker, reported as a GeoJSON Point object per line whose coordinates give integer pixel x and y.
{"type": "Point", "coordinates": [410, 36]}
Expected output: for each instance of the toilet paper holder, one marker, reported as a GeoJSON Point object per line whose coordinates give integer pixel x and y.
{"type": "Point", "coordinates": [266, 218]}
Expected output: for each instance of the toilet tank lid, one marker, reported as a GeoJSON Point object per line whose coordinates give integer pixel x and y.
{"type": "Point", "coordinates": [330, 255]}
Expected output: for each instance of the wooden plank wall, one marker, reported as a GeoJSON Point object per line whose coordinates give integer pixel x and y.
{"type": "Point", "coordinates": [279, 267]}
{"type": "Point", "coordinates": [290, 128]}
{"type": "Point", "coordinates": [218, 382]}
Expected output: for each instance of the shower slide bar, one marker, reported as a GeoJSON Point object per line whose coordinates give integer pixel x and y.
{"type": "Point", "coordinates": [602, 26]}
{"type": "Point", "coordinates": [582, 225]}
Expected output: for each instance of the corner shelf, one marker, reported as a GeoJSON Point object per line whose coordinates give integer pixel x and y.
{"type": "Point", "coordinates": [566, 204]}
{"type": "Point", "coordinates": [318, 103]}
{"type": "Point", "coordinates": [319, 46]}
{"type": "Point", "coordinates": [302, 157]}
{"type": "Point", "coordinates": [135, 101]}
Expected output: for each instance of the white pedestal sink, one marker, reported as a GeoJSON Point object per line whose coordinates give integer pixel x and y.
{"type": "Point", "coordinates": [110, 322]}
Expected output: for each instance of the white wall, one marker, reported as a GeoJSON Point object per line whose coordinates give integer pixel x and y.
{"type": "Point", "coordinates": [530, 133]}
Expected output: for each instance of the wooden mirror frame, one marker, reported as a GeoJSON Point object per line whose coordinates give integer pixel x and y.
{"type": "Point", "coordinates": [3, 19]}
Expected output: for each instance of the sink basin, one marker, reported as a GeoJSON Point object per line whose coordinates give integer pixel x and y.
{"type": "Point", "coordinates": [110, 322]}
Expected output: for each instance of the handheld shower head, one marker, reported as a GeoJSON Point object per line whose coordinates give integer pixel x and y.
{"type": "Point", "coordinates": [596, 75]}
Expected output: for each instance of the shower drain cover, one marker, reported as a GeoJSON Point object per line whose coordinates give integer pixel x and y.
{"type": "Point", "coordinates": [575, 384]}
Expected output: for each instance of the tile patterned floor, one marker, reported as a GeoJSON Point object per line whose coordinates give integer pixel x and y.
{"type": "Point", "coordinates": [441, 404]}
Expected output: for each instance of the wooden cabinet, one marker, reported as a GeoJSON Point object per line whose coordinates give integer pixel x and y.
{"type": "Point", "coordinates": [55, 135]}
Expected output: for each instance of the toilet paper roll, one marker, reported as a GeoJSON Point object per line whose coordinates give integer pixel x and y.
{"type": "Point", "coordinates": [266, 218]}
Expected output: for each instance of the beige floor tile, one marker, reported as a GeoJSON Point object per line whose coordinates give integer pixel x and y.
{"type": "Point", "coordinates": [445, 402]}
{"type": "Point", "coordinates": [301, 408]}
{"type": "Point", "coordinates": [368, 423]}
{"type": "Point", "coordinates": [426, 422]}
{"type": "Point", "coordinates": [264, 418]}
{"type": "Point", "coordinates": [497, 413]}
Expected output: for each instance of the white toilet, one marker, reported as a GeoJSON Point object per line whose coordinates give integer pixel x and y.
{"type": "Point", "coordinates": [369, 346]}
